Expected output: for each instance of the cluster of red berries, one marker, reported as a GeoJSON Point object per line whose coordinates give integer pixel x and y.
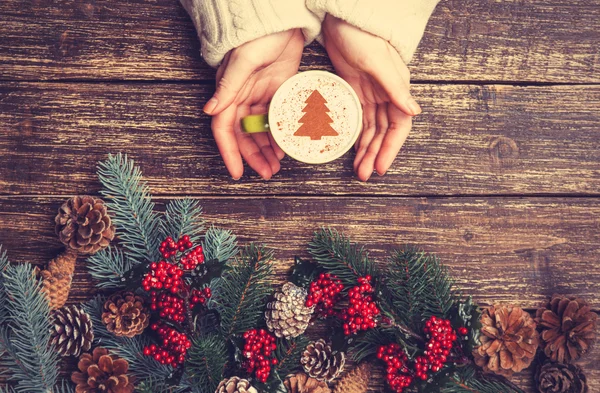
{"type": "Point", "coordinates": [397, 372]}
{"type": "Point", "coordinates": [324, 293]}
{"type": "Point", "coordinates": [193, 258]}
{"type": "Point", "coordinates": [169, 247]}
{"type": "Point", "coordinates": [163, 275]}
{"type": "Point", "coordinates": [362, 310]}
{"type": "Point", "coordinates": [169, 306]}
{"type": "Point", "coordinates": [200, 296]}
{"type": "Point", "coordinates": [441, 337]}
{"type": "Point", "coordinates": [173, 348]}
{"type": "Point", "coordinates": [258, 351]}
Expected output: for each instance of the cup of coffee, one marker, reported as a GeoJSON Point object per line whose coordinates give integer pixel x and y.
{"type": "Point", "coordinates": [315, 117]}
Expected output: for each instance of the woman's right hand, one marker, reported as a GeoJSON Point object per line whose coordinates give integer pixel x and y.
{"type": "Point", "coordinates": [246, 81]}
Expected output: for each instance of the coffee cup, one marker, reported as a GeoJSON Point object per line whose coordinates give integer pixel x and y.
{"type": "Point", "coordinates": [315, 117]}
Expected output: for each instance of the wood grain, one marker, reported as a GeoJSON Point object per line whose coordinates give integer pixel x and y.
{"type": "Point", "coordinates": [476, 140]}
{"type": "Point", "coordinates": [466, 40]}
{"type": "Point", "coordinates": [516, 250]}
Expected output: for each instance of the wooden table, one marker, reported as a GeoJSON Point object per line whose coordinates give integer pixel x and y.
{"type": "Point", "coordinates": [500, 177]}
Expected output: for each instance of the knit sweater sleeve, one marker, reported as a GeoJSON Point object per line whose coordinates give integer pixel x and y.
{"type": "Point", "coordinates": [401, 22]}
{"type": "Point", "coordinates": [226, 24]}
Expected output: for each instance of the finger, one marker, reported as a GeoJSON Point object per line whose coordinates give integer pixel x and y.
{"type": "Point", "coordinates": [250, 150]}
{"type": "Point", "coordinates": [224, 134]}
{"type": "Point", "coordinates": [278, 152]}
{"type": "Point", "coordinates": [369, 124]}
{"type": "Point", "coordinates": [263, 142]}
{"type": "Point", "coordinates": [386, 73]}
{"type": "Point", "coordinates": [398, 130]}
{"type": "Point", "coordinates": [235, 74]}
{"type": "Point", "coordinates": [367, 164]}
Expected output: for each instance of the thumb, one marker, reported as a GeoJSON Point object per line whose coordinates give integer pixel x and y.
{"type": "Point", "coordinates": [397, 88]}
{"type": "Point", "coordinates": [233, 78]}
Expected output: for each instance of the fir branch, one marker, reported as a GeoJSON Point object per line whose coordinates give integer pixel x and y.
{"type": "Point", "coordinates": [470, 380]}
{"type": "Point", "coordinates": [64, 387]}
{"type": "Point", "coordinates": [183, 217]}
{"type": "Point", "coordinates": [338, 256]}
{"type": "Point", "coordinates": [288, 354]}
{"type": "Point", "coordinates": [128, 199]}
{"type": "Point", "coordinates": [131, 349]}
{"type": "Point", "coordinates": [219, 244]}
{"type": "Point", "coordinates": [109, 267]}
{"type": "Point", "coordinates": [3, 299]}
{"type": "Point", "coordinates": [35, 363]}
{"type": "Point", "coordinates": [206, 362]}
{"type": "Point", "coordinates": [416, 286]}
{"type": "Point", "coordinates": [239, 296]}
{"type": "Point", "coordinates": [369, 343]}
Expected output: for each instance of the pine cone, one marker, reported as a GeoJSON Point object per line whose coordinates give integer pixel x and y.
{"type": "Point", "coordinates": [302, 383]}
{"type": "Point", "coordinates": [509, 340]}
{"type": "Point", "coordinates": [560, 378]}
{"type": "Point", "coordinates": [321, 362]}
{"type": "Point", "coordinates": [568, 328]}
{"type": "Point", "coordinates": [102, 373]}
{"type": "Point", "coordinates": [235, 385]}
{"type": "Point", "coordinates": [124, 314]}
{"type": "Point", "coordinates": [72, 331]}
{"type": "Point", "coordinates": [287, 316]}
{"type": "Point", "coordinates": [83, 224]}
{"type": "Point", "coordinates": [57, 278]}
{"type": "Point", "coordinates": [356, 381]}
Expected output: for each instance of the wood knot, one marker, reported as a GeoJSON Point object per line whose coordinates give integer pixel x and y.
{"type": "Point", "coordinates": [503, 151]}
{"type": "Point", "coordinates": [67, 45]}
{"type": "Point", "coordinates": [468, 236]}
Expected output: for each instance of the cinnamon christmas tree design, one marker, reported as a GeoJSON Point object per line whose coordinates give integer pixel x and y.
{"type": "Point", "coordinates": [316, 121]}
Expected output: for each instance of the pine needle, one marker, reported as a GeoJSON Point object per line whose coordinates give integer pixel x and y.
{"type": "Point", "coordinates": [240, 294]}
{"type": "Point", "coordinates": [338, 256]}
{"type": "Point", "coordinates": [206, 362]}
{"type": "Point", "coordinates": [109, 266]}
{"type": "Point", "coordinates": [219, 244]}
{"type": "Point", "coordinates": [35, 364]}
{"type": "Point", "coordinates": [183, 217]}
{"type": "Point", "coordinates": [129, 201]}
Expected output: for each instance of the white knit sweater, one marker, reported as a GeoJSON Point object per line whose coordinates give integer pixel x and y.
{"type": "Point", "coordinates": [226, 24]}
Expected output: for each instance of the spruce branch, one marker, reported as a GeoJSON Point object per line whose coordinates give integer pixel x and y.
{"type": "Point", "coordinates": [468, 379]}
{"type": "Point", "coordinates": [415, 287]}
{"type": "Point", "coordinates": [183, 217]}
{"type": "Point", "coordinates": [3, 299]}
{"type": "Point", "coordinates": [109, 267]}
{"type": "Point", "coordinates": [34, 362]}
{"type": "Point", "coordinates": [206, 362]}
{"type": "Point", "coordinates": [239, 296]}
{"type": "Point", "coordinates": [288, 354]}
{"type": "Point", "coordinates": [128, 198]}
{"type": "Point", "coordinates": [338, 256]}
{"type": "Point", "coordinates": [131, 349]}
{"type": "Point", "coordinates": [219, 244]}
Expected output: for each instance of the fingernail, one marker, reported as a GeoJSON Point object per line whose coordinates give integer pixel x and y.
{"type": "Point", "coordinates": [210, 105]}
{"type": "Point", "coordinates": [413, 106]}
{"type": "Point", "coordinates": [236, 178]}
{"type": "Point", "coordinates": [381, 174]}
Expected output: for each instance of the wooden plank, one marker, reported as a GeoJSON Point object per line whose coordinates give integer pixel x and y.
{"type": "Point", "coordinates": [516, 250]}
{"type": "Point", "coordinates": [499, 249]}
{"type": "Point", "coordinates": [471, 140]}
{"type": "Point", "coordinates": [538, 40]}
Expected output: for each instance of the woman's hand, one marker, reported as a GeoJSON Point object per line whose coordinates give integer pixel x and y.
{"type": "Point", "coordinates": [382, 81]}
{"type": "Point", "coordinates": [246, 81]}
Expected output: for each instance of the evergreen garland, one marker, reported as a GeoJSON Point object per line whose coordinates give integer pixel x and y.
{"type": "Point", "coordinates": [219, 244]}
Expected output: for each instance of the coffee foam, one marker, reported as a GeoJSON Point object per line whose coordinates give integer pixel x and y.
{"type": "Point", "coordinates": [286, 109]}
